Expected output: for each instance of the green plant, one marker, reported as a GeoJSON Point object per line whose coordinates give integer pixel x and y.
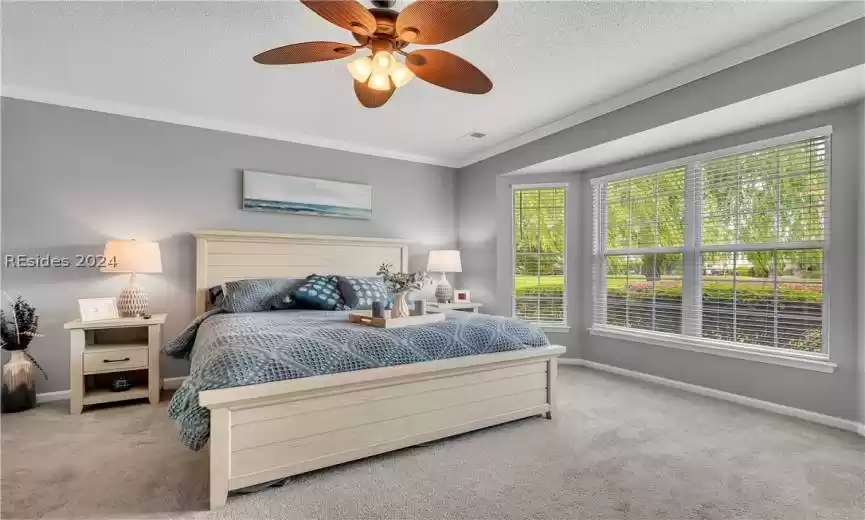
{"type": "Point", "coordinates": [400, 282]}
{"type": "Point", "coordinates": [811, 341]}
{"type": "Point", "coordinates": [723, 291]}
{"type": "Point", "coordinates": [19, 327]}
{"type": "Point", "coordinates": [17, 332]}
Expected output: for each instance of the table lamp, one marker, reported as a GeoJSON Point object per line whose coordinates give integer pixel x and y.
{"type": "Point", "coordinates": [444, 261]}
{"type": "Point", "coordinates": [132, 256]}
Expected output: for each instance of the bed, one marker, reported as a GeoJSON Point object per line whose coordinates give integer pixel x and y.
{"type": "Point", "coordinates": [263, 432]}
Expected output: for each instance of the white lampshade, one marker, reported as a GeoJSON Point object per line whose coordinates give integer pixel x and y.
{"type": "Point", "coordinates": [444, 261]}
{"type": "Point", "coordinates": [132, 256]}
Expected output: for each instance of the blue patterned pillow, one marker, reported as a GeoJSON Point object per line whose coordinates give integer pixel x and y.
{"type": "Point", "coordinates": [257, 295]}
{"type": "Point", "coordinates": [359, 293]}
{"type": "Point", "coordinates": [320, 293]}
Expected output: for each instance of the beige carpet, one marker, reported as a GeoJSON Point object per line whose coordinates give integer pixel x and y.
{"type": "Point", "coordinates": [619, 449]}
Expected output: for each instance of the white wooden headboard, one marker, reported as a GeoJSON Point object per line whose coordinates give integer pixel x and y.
{"type": "Point", "coordinates": [235, 255]}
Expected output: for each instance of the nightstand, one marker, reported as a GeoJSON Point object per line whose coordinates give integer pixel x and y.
{"type": "Point", "coordinates": [102, 350]}
{"type": "Point", "coordinates": [434, 307]}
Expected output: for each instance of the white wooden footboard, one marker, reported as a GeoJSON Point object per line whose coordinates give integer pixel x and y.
{"type": "Point", "coordinates": [265, 432]}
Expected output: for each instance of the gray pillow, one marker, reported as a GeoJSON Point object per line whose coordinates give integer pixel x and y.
{"type": "Point", "coordinates": [360, 292]}
{"type": "Point", "coordinates": [259, 295]}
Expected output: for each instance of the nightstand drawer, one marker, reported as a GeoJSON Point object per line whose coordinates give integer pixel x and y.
{"type": "Point", "coordinates": [114, 359]}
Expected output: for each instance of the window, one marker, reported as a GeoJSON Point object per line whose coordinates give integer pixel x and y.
{"type": "Point", "coordinates": [728, 246]}
{"type": "Point", "coordinates": [539, 254]}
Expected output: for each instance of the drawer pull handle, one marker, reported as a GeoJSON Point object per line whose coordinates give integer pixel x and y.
{"type": "Point", "coordinates": [115, 360]}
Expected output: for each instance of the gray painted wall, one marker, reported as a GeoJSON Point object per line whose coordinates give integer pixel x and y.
{"type": "Point", "coordinates": [484, 241]}
{"type": "Point", "coordinates": [860, 315]}
{"type": "Point", "coordinates": [74, 178]}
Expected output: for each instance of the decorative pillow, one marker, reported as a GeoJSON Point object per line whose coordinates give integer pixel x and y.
{"type": "Point", "coordinates": [258, 295]}
{"type": "Point", "coordinates": [214, 297]}
{"type": "Point", "coordinates": [320, 293]}
{"type": "Point", "coordinates": [359, 293]}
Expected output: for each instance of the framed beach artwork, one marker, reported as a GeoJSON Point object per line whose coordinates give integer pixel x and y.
{"type": "Point", "coordinates": [305, 196]}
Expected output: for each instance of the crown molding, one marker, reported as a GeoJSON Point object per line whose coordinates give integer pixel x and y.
{"type": "Point", "coordinates": [789, 35]}
{"type": "Point", "coordinates": [232, 127]}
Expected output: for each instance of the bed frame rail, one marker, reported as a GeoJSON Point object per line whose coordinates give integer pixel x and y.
{"type": "Point", "coordinates": [264, 432]}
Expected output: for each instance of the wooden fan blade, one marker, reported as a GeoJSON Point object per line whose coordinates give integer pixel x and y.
{"type": "Point", "coordinates": [306, 52]}
{"type": "Point", "coordinates": [439, 21]}
{"type": "Point", "coordinates": [371, 98]}
{"type": "Point", "coordinates": [347, 14]}
{"type": "Point", "coordinates": [448, 71]}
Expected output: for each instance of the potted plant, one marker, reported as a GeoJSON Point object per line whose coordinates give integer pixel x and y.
{"type": "Point", "coordinates": [18, 327]}
{"type": "Point", "coordinates": [400, 284]}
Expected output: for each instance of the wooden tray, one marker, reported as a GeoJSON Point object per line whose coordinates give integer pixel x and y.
{"type": "Point", "coordinates": [365, 318]}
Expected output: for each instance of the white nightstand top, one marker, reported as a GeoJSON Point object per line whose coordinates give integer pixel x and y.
{"type": "Point", "coordinates": [155, 319]}
{"type": "Point", "coordinates": [457, 306]}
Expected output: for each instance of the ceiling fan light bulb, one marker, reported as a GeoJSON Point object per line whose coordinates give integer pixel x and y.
{"type": "Point", "coordinates": [382, 61]}
{"type": "Point", "coordinates": [379, 81]}
{"type": "Point", "coordinates": [360, 69]}
{"type": "Point", "coordinates": [401, 75]}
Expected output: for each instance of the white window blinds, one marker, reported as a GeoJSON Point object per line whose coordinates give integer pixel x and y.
{"type": "Point", "coordinates": [539, 254]}
{"type": "Point", "coordinates": [728, 247]}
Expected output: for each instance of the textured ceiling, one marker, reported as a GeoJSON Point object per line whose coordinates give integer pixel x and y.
{"type": "Point", "coordinates": [547, 60]}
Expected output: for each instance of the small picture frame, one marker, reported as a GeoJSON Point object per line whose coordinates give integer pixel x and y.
{"type": "Point", "coordinates": [95, 309]}
{"type": "Point", "coordinates": [462, 296]}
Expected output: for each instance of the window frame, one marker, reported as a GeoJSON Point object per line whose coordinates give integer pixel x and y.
{"type": "Point", "coordinates": [690, 337]}
{"type": "Point", "coordinates": [546, 326]}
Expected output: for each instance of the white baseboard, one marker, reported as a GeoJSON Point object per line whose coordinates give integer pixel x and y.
{"type": "Point", "coordinates": [47, 397]}
{"type": "Point", "coordinates": [172, 383]}
{"type": "Point", "coordinates": [169, 383]}
{"type": "Point", "coordinates": [819, 418]}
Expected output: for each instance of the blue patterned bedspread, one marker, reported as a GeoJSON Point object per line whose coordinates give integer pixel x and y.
{"type": "Point", "coordinates": [228, 350]}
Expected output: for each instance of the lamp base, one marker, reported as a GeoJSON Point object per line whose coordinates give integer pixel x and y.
{"type": "Point", "coordinates": [132, 301]}
{"type": "Point", "coordinates": [444, 291]}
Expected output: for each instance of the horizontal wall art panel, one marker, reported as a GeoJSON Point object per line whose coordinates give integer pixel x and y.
{"type": "Point", "coordinates": [305, 196]}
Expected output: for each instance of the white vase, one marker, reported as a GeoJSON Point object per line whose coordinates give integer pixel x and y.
{"type": "Point", "coordinates": [400, 305]}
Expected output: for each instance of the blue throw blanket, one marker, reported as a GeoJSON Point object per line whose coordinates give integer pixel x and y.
{"type": "Point", "coordinates": [229, 350]}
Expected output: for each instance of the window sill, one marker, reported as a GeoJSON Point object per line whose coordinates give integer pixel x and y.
{"type": "Point", "coordinates": [560, 329]}
{"type": "Point", "coordinates": [815, 362]}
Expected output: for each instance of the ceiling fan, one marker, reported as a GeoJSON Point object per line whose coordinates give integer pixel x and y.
{"type": "Point", "coordinates": [386, 32]}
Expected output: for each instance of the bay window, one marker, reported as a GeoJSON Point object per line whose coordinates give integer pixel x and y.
{"type": "Point", "coordinates": [727, 247]}
{"type": "Point", "coordinates": [539, 254]}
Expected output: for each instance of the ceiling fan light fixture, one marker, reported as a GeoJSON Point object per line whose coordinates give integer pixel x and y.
{"type": "Point", "coordinates": [382, 61]}
{"type": "Point", "coordinates": [379, 81]}
{"type": "Point", "coordinates": [361, 69]}
{"type": "Point", "coordinates": [385, 32]}
{"type": "Point", "coordinates": [400, 74]}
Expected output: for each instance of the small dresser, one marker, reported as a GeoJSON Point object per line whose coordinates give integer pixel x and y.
{"type": "Point", "coordinates": [105, 350]}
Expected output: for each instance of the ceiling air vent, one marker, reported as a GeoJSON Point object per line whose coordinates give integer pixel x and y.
{"type": "Point", "coordinates": [473, 135]}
